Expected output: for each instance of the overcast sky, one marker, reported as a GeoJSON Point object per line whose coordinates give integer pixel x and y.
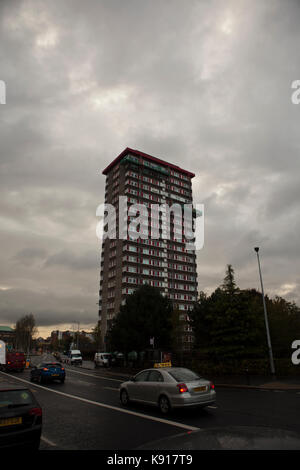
{"type": "Point", "coordinates": [204, 85]}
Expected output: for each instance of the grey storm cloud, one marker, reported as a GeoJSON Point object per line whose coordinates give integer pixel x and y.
{"type": "Point", "coordinates": [52, 309]}
{"type": "Point", "coordinates": [29, 255]}
{"type": "Point", "coordinates": [204, 85]}
{"type": "Point", "coordinates": [71, 260]}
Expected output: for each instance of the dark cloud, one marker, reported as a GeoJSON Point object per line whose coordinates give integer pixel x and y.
{"type": "Point", "coordinates": [48, 308]}
{"type": "Point", "coordinates": [70, 260]}
{"type": "Point", "coordinates": [30, 255]}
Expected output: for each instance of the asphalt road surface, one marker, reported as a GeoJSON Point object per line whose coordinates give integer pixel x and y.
{"type": "Point", "coordinates": [84, 413]}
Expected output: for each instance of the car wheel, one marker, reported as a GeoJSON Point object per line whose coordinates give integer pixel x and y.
{"type": "Point", "coordinates": [164, 405]}
{"type": "Point", "coordinates": [40, 379]}
{"type": "Point", "coordinates": [62, 381]}
{"type": "Point", "coordinates": [124, 397]}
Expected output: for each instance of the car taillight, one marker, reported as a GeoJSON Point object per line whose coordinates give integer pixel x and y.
{"type": "Point", "coordinates": [212, 385]}
{"type": "Point", "coordinates": [182, 388]}
{"type": "Point", "coordinates": [45, 368]}
{"type": "Point", "coordinates": [36, 412]}
{"type": "Point", "coordinates": [62, 368]}
{"type": "Point", "coordinates": [8, 363]}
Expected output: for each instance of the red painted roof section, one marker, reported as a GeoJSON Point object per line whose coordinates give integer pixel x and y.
{"type": "Point", "coordinates": [137, 153]}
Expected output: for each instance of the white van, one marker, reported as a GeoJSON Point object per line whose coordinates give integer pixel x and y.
{"type": "Point", "coordinates": [74, 357]}
{"type": "Point", "coordinates": [102, 359]}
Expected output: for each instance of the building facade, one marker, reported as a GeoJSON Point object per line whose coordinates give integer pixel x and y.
{"type": "Point", "coordinates": [8, 335]}
{"type": "Point", "coordinates": [165, 260]}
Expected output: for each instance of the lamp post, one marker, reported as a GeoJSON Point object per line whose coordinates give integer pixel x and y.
{"type": "Point", "coordinates": [77, 334]}
{"type": "Point", "coordinates": [266, 317]}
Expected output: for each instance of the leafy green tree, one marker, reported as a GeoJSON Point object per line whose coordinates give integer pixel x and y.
{"type": "Point", "coordinates": [146, 314]}
{"type": "Point", "coordinates": [65, 343]}
{"type": "Point", "coordinates": [96, 332]}
{"type": "Point", "coordinates": [284, 321]}
{"type": "Point", "coordinates": [177, 330]}
{"type": "Point", "coordinates": [228, 324]}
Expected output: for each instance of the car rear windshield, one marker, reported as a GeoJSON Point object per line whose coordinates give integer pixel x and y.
{"type": "Point", "coordinates": [184, 375]}
{"type": "Point", "coordinates": [14, 398]}
{"type": "Point", "coordinates": [76, 355]}
{"type": "Point", "coordinates": [52, 364]}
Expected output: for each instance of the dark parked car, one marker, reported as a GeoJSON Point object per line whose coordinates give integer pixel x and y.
{"type": "Point", "coordinates": [47, 371]}
{"type": "Point", "coordinates": [20, 418]}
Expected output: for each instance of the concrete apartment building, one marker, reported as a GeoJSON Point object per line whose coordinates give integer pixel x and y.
{"type": "Point", "coordinates": [163, 262]}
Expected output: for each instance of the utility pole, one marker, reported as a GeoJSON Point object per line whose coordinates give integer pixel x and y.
{"type": "Point", "coordinates": [77, 334]}
{"type": "Point", "coordinates": [266, 317]}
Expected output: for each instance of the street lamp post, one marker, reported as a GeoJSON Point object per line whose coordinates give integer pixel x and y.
{"type": "Point", "coordinates": [266, 317]}
{"type": "Point", "coordinates": [77, 335]}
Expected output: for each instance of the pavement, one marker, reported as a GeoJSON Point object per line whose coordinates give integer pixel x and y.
{"type": "Point", "coordinates": [242, 382]}
{"type": "Point", "coordinates": [230, 438]}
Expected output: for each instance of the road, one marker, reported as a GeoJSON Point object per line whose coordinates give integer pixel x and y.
{"type": "Point", "coordinates": [84, 413]}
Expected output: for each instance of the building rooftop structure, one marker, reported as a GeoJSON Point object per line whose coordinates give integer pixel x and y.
{"type": "Point", "coordinates": [138, 153]}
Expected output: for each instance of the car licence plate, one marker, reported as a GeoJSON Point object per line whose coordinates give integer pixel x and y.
{"type": "Point", "coordinates": [200, 389]}
{"type": "Point", "coordinates": [54, 375]}
{"type": "Point", "coordinates": [10, 421]}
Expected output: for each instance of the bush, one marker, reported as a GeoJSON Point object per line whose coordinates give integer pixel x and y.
{"type": "Point", "coordinates": [207, 365]}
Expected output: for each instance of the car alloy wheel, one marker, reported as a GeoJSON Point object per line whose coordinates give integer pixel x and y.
{"type": "Point", "coordinates": [124, 398]}
{"type": "Point", "coordinates": [164, 405]}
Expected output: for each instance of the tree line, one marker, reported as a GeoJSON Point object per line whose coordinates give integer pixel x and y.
{"type": "Point", "coordinates": [228, 325]}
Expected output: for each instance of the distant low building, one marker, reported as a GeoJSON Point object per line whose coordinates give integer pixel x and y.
{"type": "Point", "coordinates": [8, 335]}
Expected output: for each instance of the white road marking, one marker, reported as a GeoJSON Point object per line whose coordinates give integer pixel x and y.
{"type": "Point", "coordinates": [111, 388]}
{"type": "Point", "coordinates": [212, 407]}
{"type": "Point", "coordinates": [110, 407]}
{"type": "Point", "coordinates": [94, 376]}
{"type": "Point", "coordinates": [80, 382]}
{"type": "Point", "coordinates": [47, 441]}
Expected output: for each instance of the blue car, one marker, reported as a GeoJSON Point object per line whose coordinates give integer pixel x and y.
{"type": "Point", "coordinates": [48, 371]}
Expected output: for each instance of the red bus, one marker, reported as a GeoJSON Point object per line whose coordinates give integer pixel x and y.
{"type": "Point", "coordinates": [15, 361]}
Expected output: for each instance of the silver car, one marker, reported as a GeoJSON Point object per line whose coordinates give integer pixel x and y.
{"type": "Point", "coordinates": [168, 388]}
